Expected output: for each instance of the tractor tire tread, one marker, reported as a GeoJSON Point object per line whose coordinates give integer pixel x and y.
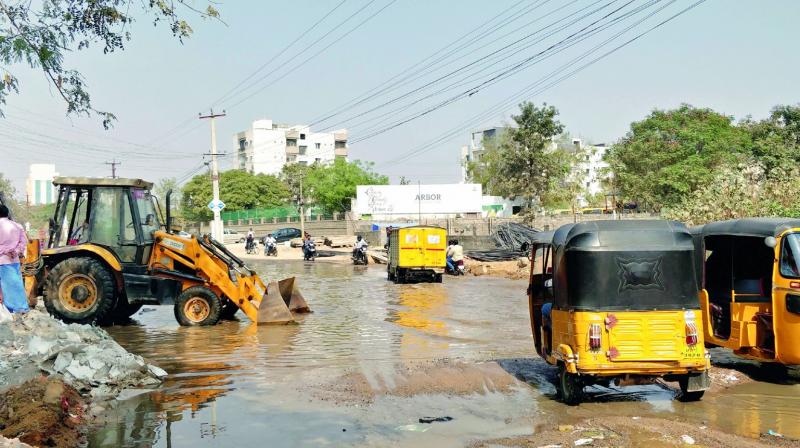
{"type": "Point", "coordinates": [104, 280]}
{"type": "Point", "coordinates": [214, 302]}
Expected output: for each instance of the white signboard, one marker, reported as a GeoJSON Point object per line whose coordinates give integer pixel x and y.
{"type": "Point", "coordinates": [412, 199]}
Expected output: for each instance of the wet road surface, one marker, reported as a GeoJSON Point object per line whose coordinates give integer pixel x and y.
{"type": "Point", "coordinates": [236, 384]}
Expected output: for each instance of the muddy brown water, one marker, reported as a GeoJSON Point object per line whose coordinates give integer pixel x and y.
{"type": "Point", "coordinates": [237, 384]}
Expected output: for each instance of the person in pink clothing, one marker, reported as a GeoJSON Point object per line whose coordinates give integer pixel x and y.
{"type": "Point", "coordinates": [12, 245]}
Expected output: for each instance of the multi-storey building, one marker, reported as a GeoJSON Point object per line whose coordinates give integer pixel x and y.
{"type": "Point", "coordinates": [266, 147]}
{"type": "Point", "coordinates": [39, 184]}
{"type": "Point", "coordinates": [473, 151]}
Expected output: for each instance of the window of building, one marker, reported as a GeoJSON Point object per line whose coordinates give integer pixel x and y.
{"type": "Point", "coordinates": [291, 158]}
{"type": "Point", "coordinates": [291, 142]}
{"type": "Point", "coordinates": [587, 158]}
{"type": "Point", "coordinates": [302, 162]}
{"type": "Point", "coordinates": [340, 144]}
{"type": "Point", "coordinates": [317, 145]}
{"type": "Point", "coordinates": [587, 170]}
{"type": "Point", "coordinates": [303, 149]}
{"type": "Point", "coordinates": [242, 143]}
{"type": "Point", "coordinates": [302, 136]}
{"type": "Point", "coordinates": [317, 160]}
{"type": "Point", "coordinates": [587, 184]}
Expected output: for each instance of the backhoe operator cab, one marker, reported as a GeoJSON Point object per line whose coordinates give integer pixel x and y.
{"type": "Point", "coordinates": [750, 293]}
{"type": "Point", "coordinates": [109, 252]}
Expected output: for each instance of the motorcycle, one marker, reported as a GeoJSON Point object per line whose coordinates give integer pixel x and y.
{"type": "Point", "coordinates": [454, 267]}
{"type": "Point", "coordinates": [360, 256]}
{"type": "Point", "coordinates": [250, 247]}
{"type": "Point", "coordinates": [270, 249]}
{"type": "Point", "coordinates": [309, 251]}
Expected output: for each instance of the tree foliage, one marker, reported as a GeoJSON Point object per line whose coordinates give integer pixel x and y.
{"type": "Point", "coordinates": [239, 190]}
{"type": "Point", "coordinates": [671, 153]}
{"type": "Point", "coordinates": [40, 34]}
{"type": "Point", "coordinates": [332, 186]}
{"type": "Point", "coordinates": [741, 191]}
{"type": "Point", "coordinates": [524, 162]}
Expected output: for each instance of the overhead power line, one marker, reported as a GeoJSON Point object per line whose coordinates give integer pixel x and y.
{"type": "Point", "coordinates": [294, 68]}
{"type": "Point", "coordinates": [527, 91]}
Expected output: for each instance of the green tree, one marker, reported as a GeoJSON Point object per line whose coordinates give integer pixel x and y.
{"type": "Point", "coordinates": [293, 175]}
{"type": "Point", "coordinates": [529, 165]}
{"type": "Point", "coordinates": [741, 191]}
{"type": "Point", "coordinates": [239, 190]}
{"type": "Point", "coordinates": [776, 140]}
{"type": "Point", "coordinates": [671, 153]}
{"type": "Point", "coordinates": [332, 186]}
{"type": "Point", "coordinates": [40, 34]}
{"type": "Point", "coordinates": [162, 187]}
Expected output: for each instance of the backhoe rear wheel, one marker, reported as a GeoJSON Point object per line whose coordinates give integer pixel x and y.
{"type": "Point", "coordinates": [80, 290]}
{"type": "Point", "coordinates": [198, 306]}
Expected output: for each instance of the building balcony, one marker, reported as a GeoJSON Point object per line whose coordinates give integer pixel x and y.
{"type": "Point", "coordinates": [340, 152]}
{"type": "Point", "coordinates": [293, 133]}
{"type": "Point", "coordinates": [340, 136]}
{"type": "Point", "coordinates": [292, 150]}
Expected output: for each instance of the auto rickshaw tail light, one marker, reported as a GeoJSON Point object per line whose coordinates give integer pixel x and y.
{"type": "Point", "coordinates": [691, 333]}
{"type": "Point", "coordinates": [595, 336]}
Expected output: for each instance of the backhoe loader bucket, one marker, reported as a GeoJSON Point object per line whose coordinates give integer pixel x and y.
{"type": "Point", "coordinates": [273, 309]}
{"type": "Point", "coordinates": [292, 296]}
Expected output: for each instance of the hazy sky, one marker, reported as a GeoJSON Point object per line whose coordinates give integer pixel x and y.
{"type": "Point", "coordinates": [738, 57]}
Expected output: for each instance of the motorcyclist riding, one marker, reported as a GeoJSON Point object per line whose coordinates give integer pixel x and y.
{"type": "Point", "coordinates": [455, 258]}
{"type": "Point", "coordinates": [270, 245]}
{"type": "Point", "coordinates": [360, 250]}
{"type": "Point", "coordinates": [309, 248]}
{"type": "Point", "coordinates": [249, 245]}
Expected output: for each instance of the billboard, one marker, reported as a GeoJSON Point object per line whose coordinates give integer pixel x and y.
{"type": "Point", "coordinates": [438, 199]}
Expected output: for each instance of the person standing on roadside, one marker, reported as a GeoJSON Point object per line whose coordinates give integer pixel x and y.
{"type": "Point", "coordinates": [12, 245]}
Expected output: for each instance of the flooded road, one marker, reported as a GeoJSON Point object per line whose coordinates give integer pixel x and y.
{"type": "Point", "coordinates": [373, 359]}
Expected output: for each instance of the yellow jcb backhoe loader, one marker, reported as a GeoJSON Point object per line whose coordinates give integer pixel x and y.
{"type": "Point", "coordinates": [108, 253]}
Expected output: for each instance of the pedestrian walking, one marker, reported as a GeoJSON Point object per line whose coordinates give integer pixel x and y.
{"type": "Point", "coordinates": [12, 245]}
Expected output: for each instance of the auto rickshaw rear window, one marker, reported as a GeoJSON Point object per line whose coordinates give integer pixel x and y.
{"type": "Point", "coordinates": [790, 251]}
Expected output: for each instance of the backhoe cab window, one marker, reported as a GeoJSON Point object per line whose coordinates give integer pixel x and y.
{"type": "Point", "coordinates": [145, 204]}
{"type": "Point", "coordinates": [789, 254]}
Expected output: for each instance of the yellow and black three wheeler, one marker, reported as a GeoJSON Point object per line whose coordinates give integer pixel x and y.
{"type": "Point", "coordinates": [616, 301]}
{"type": "Point", "coordinates": [750, 293]}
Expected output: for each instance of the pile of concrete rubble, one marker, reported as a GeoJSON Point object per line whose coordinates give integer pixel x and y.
{"type": "Point", "coordinates": [86, 357]}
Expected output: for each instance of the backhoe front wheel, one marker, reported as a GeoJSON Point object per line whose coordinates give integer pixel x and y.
{"type": "Point", "coordinates": [80, 290]}
{"type": "Point", "coordinates": [198, 306]}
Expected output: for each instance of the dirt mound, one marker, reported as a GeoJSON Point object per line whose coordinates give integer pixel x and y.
{"type": "Point", "coordinates": [42, 412]}
{"type": "Point", "coordinates": [632, 432]}
{"type": "Point", "coordinates": [441, 377]}
{"type": "Point", "coordinates": [515, 269]}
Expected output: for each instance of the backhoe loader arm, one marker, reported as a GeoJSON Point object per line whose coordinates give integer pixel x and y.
{"type": "Point", "coordinates": [213, 266]}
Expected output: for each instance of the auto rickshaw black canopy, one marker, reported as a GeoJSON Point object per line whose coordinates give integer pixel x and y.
{"type": "Point", "coordinates": [762, 227]}
{"type": "Point", "coordinates": [623, 265]}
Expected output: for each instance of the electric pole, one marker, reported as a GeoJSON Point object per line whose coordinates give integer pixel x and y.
{"type": "Point", "coordinates": [302, 203]}
{"type": "Point", "coordinates": [216, 226]}
{"type": "Point", "coordinates": [113, 164]}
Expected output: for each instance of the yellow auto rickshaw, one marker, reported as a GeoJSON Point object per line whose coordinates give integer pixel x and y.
{"type": "Point", "coordinates": [750, 293]}
{"type": "Point", "coordinates": [417, 253]}
{"type": "Point", "coordinates": [615, 301]}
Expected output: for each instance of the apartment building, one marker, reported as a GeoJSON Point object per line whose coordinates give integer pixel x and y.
{"type": "Point", "coordinates": [267, 146]}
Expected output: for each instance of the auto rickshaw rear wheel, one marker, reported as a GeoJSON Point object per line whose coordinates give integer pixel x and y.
{"type": "Point", "coordinates": [685, 395]}
{"type": "Point", "coordinates": [570, 386]}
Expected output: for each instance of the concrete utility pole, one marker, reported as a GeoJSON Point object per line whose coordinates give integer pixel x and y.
{"type": "Point", "coordinates": [216, 226]}
{"type": "Point", "coordinates": [113, 164]}
{"type": "Point", "coordinates": [302, 203]}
